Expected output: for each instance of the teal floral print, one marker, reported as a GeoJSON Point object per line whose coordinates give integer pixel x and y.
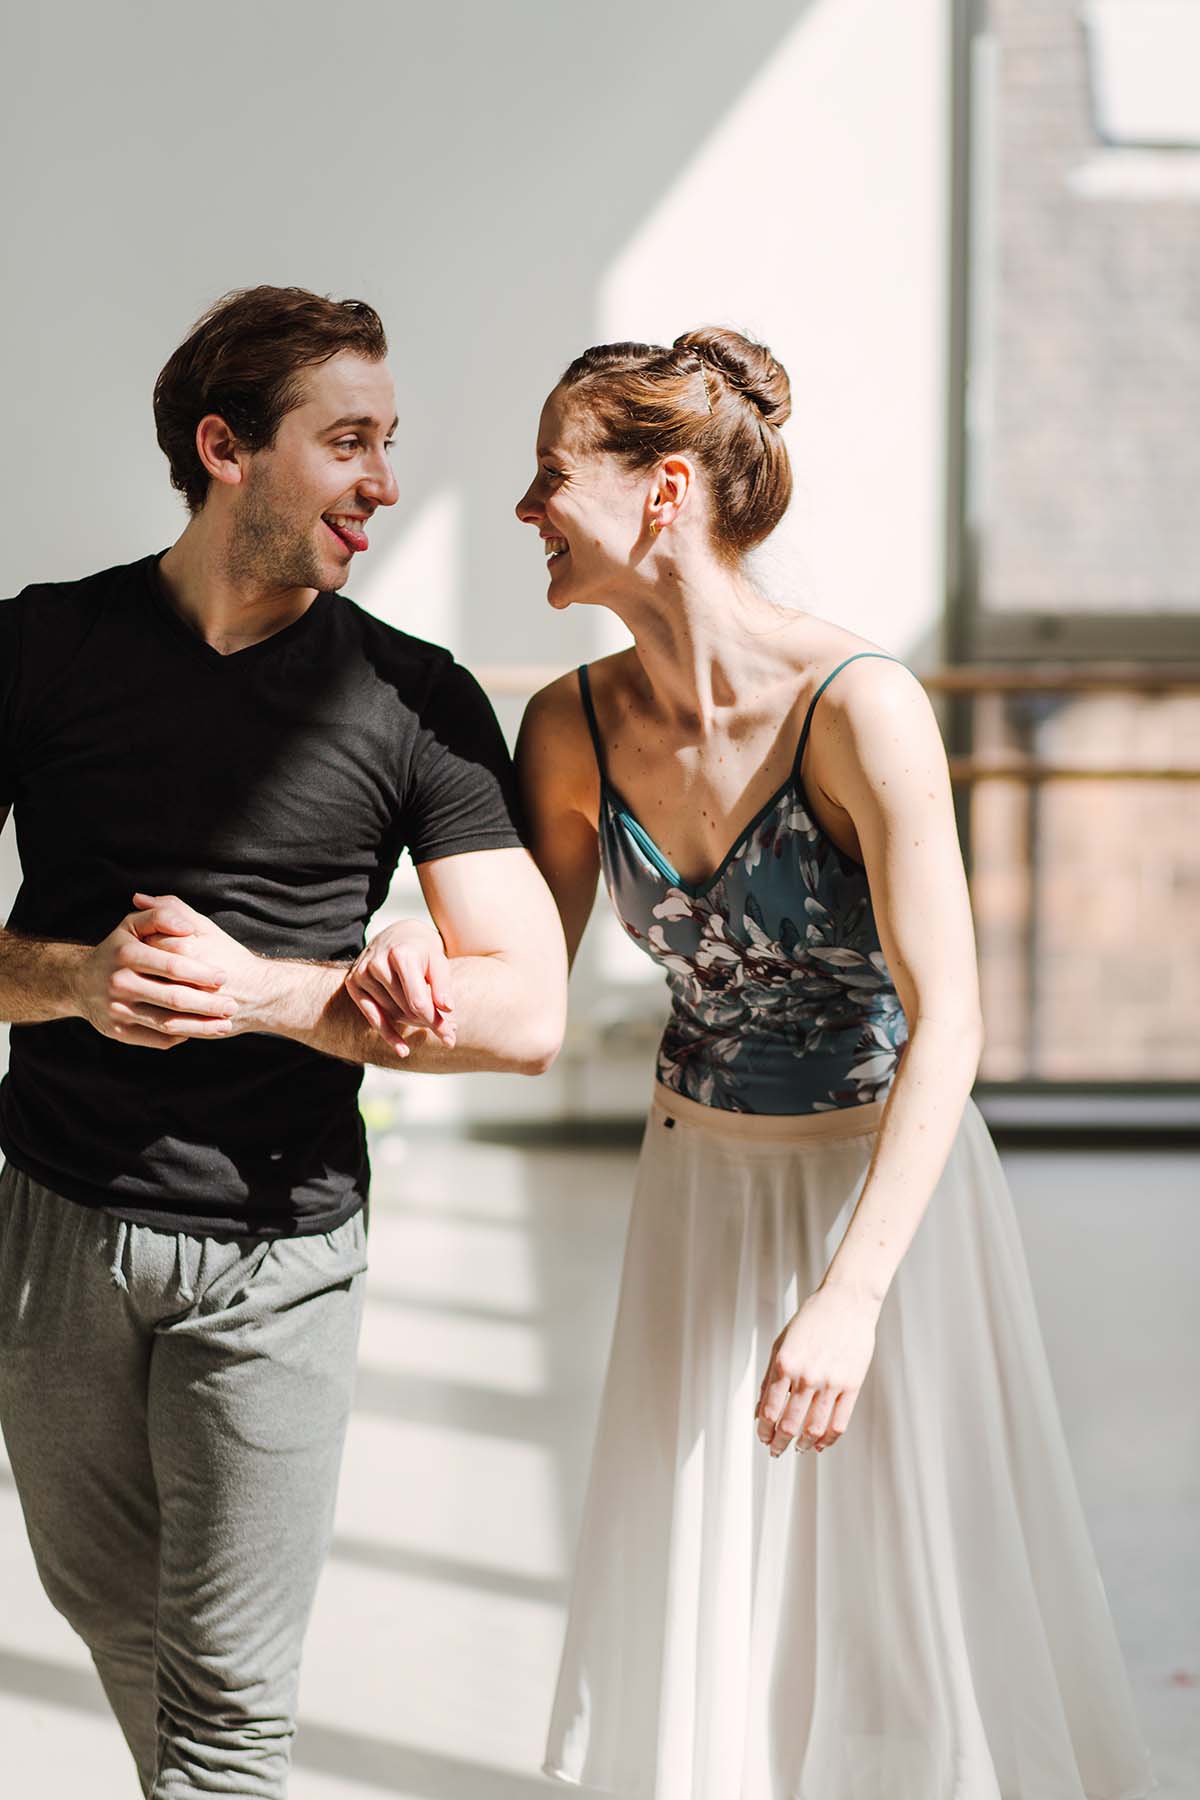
{"type": "Point", "coordinates": [781, 998]}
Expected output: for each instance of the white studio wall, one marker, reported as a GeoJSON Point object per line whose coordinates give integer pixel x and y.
{"type": "Point", "coordinates": [507, 184]}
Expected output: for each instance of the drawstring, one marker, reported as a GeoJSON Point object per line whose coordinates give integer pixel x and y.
{"type": "Point", "coordinates": [114, 1268]}
{"type": "Point", "coordinates": [183, 1281]}
{"type": "Point", "coordinates": [186, 1290]}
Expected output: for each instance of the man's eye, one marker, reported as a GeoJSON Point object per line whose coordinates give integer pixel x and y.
{"type": "Point", "coordinates": [555, 474]}
{"type": "Point", "coordinates": [347, 443]}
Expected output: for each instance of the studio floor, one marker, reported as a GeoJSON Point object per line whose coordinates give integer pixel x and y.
{"type": "Point", "coordinates": [433, 1649]}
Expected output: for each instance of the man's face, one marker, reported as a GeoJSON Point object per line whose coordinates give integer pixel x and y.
{"type": "Point", "coordinates": [302, 510]}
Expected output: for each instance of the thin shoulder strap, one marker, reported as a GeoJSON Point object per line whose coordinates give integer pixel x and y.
{"type": "Point", "coordinates": [812, 705]}
{"type": "Point", "coordinates": [585, 694]}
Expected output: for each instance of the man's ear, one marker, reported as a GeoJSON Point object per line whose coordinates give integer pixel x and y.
{"type": "Point", "coordinates": [223, 458]}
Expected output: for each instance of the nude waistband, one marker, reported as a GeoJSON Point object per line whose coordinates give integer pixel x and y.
{"type": "Point", "coordinates": [769, 1128]}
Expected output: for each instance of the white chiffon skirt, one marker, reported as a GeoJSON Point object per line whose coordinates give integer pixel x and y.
{"type": "Point", "coordinates": [916, 1613]}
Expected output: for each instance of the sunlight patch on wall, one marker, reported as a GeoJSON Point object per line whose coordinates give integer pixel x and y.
{"type": "Point", "coordinates": [814, 218]}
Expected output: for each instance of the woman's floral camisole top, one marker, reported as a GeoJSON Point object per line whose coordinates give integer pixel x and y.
{"type": "Point", "coordinates": [781, 1001]}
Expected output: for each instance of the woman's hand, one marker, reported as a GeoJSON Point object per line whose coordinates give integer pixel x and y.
{"type": "Point", "coordinates": [402, 981]}
{"type": "Point", "coordinates": [818, 1364]}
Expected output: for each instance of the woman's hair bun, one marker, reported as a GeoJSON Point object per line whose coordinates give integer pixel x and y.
{"type": "Point", "coordinates": [714, 396]}
{"type": "Point", "coordinates": [747, 368]}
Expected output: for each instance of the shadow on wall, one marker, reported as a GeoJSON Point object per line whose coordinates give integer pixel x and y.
{"type": "Point", "coordinates": [471, 170]}
{"type": "Point", "coordinates": [474, 178]}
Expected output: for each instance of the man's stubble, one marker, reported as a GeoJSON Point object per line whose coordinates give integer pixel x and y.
{"type": "Point", "coordinates": [268, 548]}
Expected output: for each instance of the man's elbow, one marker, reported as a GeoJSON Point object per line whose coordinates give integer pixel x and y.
{"type": "Point", "coordinates": [541, 1038]}
{"type": "Point", "coordinates": [541, 1050]}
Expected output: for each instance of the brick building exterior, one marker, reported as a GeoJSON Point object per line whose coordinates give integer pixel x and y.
{"type": "Point", "coordinates": [1094, 452]}
{"type": "Point", "coordinates": [1087, 894]}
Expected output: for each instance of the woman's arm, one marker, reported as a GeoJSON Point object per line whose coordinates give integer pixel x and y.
{"type": "Point", "coordinates": [885, 765]}
{"type": "Point", "coordinates": [403, 980]}
{"type": "Point", "coordinates": [560, 792]}
{"type": "Point", "coordinates": [880, 760]}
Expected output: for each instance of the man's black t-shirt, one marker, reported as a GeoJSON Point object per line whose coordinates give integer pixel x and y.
{"type": "Point", "coordinates": [274, 790]}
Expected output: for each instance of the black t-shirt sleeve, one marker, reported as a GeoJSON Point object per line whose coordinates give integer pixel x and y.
{"type": "Point", "coordinates": [10, 665]}
{"type": "Point", "coordinates": [461, 789]}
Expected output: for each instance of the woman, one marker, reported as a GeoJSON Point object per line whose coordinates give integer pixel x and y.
{"type": "Point", "coordinates": [918, 1615]}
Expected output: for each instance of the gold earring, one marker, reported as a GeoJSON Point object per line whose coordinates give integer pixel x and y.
{"type": "Point", "coordinates": [655, 527]}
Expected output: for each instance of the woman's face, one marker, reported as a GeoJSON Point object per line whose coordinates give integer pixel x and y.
{"type": "Point", "coordinates": [590, 511]}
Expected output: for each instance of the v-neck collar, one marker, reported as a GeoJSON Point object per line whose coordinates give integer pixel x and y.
{"type": "Point", "coordinates": [696, 889]}
{"type": "Point", "coordinates": [199, 646]}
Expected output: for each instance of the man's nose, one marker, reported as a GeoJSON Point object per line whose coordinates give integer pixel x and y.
{"type": "Point", "coordinates": [380, 481]}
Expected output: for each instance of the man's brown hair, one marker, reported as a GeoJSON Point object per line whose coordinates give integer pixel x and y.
{"type": "Point", "coordinates": [244, 360]}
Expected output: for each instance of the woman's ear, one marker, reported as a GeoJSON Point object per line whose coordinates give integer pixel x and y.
{"type": "Point", "coordinates": [674, 480]}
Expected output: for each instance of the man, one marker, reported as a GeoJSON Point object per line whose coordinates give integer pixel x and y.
{"type": "Point", "coordinates": [214, 761]}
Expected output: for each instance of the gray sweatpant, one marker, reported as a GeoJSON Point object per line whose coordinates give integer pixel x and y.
{"type": "Point", "coordinates": [174, 1409]}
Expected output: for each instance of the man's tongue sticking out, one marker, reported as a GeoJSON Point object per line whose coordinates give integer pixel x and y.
{"type": "Point", "coordinates": [348, 529]}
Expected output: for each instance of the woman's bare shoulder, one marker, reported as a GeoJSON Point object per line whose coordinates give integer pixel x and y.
{"type": "Point", "coordinates": [816, 646]}
{"type": "Point", "coordinates": [555, 747]}
{"type": "Point", "coordinates": [874, 717]}
{"type": "Point", "coordinates": [562, 698]}
{"type": "Point", "coordinates": [558, 699]}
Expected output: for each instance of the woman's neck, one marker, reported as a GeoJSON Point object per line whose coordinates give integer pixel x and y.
{"type": "Point", "coordinates": [706, 643]}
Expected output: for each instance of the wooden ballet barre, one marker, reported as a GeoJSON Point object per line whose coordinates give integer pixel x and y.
{"type": "Point", "coordinates": [1064, 678]}
{"type": "Point", "coordinates": [519, 680]}
{"type": "Point", "coordinates": [970, 769]}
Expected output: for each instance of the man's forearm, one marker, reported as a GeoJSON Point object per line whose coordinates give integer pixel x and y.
{"type": "Point", "coordinates": [37, 978]}
{"type": "Point", "coordinates": [499, 1024]}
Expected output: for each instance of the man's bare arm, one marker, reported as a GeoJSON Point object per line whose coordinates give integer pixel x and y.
{"type": "Point", "coordinates": [124, 987]}
{"type": "Point", "coordinates": [487, 973]}
{"type": "Point", "coordinates": [37, 978]}
{"type": "Point", "coordinates": [506, 955]}
{"type": "Point", "coordinates": [309, 1003]}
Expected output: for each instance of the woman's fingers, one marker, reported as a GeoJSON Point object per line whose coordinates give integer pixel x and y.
{"type": "Point", "coordinates": [422, 977]}
{"type": "Point", "coordinates": [407, 977]}
{"type": "Point", "coordinates": [388, 1002]}
{"type": "Point", "coordinates": [777, 1393]}
{"type": "Point", "coordinates": [402, 992]}
{"type": "Point", "coordinates": [394, 990]}
{"type": "Point", "coordinates": [838, 1421]}
{"type": "Point", "coordinates": [402, 973]}
{"type": "Point", "coordinates": [827, 1419]}
{"type": "Point", "coordinates": [791, 1420]}
{"type": "Point", "coordinates": [377, 1019]}
{"type": "Point", "coordinates": [813, 1427]}
{"type": "Point", "coordinates": [364, 1003]}
{"type": "Point", "coordinates": [440, 980]}
{"type": "Point", "coordinates": [794, 1411]}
